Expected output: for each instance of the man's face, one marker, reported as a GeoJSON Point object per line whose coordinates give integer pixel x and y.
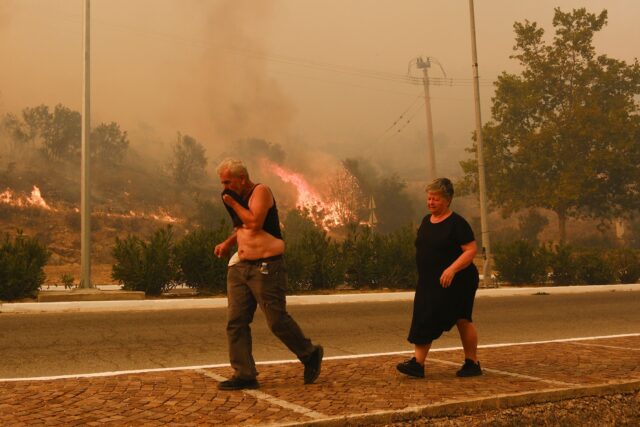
{"type": "Point", "coordinates": [231, 182]}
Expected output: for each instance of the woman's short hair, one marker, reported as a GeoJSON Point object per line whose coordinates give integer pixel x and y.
{"type": "Point", "coordinates": [442, 186]}
{"type": "Point", "coordinates": [234, 166]}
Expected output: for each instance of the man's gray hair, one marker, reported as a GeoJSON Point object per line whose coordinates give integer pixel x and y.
{"type": "Point", "coordinates": [234, 166]}
{"type": "Point", "coordinates": [442, 186]}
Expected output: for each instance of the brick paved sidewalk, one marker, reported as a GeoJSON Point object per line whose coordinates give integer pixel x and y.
{"type": "Point", "coordinates": [349, 390]}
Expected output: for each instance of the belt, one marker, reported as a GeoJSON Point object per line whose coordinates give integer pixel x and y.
{"type": "Point", "coordinates": [261, 260]}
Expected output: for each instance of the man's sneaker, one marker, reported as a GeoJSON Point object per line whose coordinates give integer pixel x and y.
{"type": "Point", "coordinates": [312, 365]}
{"type": "Point", "coordinates": [411, 367]}
{"type": "Point", "coordinates": [238, 384]}
{"type": "Point", "coordinates": [469, 369]}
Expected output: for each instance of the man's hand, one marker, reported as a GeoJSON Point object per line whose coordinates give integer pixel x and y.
{"type": "Point", "coordinates": [447, 277]}
{"type": "Point", "coordinates": [221, 250]}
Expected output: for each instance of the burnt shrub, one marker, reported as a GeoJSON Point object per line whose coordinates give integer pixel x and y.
{"type": "Point", "coordinates": [147, 266]}
{"type": "Point", "coordinates": [22, 260]}
{"type": "Point", "coordinates": [198, 267]}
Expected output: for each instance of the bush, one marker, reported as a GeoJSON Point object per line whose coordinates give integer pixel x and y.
{"type": "Point", "coordinates": [521, 262]}
{"type": "Point", "coordinates": [311, 256]}
{"type": "Point", "coordinates": [21, 266]}
{"type": "Point", "coordinates": [593, 268]}
{"type": "Point", "coordinates": [145, 266]}
{"type": "Point", "coordinates": [397, 258]}
{"type": "Point", "coordinates": [198, 267]}
{"type": "Point", "coordinates": [564, 270]}
{"type": "Point", "coordinates": [360, 254]}
{"type": "Point", "coordinates": [626, 265]}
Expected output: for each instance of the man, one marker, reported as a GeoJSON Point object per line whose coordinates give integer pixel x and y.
{"type": "Point", "coordinates": [257, 276]}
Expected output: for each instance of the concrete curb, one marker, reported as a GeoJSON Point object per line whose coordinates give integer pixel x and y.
{"type": "Point", "coordinates": [221, 302]}
{"type": "Point", "coordinates": [458, 408]}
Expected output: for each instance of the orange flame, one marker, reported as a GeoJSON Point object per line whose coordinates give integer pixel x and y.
{"type": "Point", "coordinates": [308, 198]}
{"type": "Point", "coordinates": [34, 200]}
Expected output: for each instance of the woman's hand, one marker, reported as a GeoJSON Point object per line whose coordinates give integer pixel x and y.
{"type": "Point", "coordinates": [447, 277]}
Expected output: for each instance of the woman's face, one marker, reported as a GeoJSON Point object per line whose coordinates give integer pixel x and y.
{"type": "Point", "coordinates": [437, 203]}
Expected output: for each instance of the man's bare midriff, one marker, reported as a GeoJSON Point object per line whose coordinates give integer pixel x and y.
{"type": "Point", "coordinates": [256, 244]}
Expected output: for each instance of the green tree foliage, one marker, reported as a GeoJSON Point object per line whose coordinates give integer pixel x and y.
{"type": "Point", "coordinates": [147, 266]}
{"type": "Point", "coordinates": [22, 260]}
{"type": "Point", "coordinates": [188, 164]}
{"type": "Point", "coordinates": [564, 132]}
{"type": "Point", "coordinates": [198, 267]}
{"type": "Point", "coordinates": [109, 143]}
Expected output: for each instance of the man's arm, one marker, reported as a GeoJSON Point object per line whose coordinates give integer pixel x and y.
{"type": "Point", "coordinates": [222, 249]}
{"type": "Point", "coordinates": [261, 201]}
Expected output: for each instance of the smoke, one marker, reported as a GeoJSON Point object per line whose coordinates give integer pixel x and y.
{"type": "Point", "coordinates": [195, 67]}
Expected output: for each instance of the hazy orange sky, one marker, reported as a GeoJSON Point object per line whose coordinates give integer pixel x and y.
{"type": "Point", "coordinates": [295, 72]}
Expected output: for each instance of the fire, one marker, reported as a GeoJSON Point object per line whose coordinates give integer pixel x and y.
{"type": "Point", "coordinates": [308, 198]}
{"type": "Point", "coordinates": [161, 215]}
{"type": "Point", "coordinates": [34, 200]}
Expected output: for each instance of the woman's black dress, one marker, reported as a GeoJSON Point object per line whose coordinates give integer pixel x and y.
{"type": "Point", "coordinates": [437, 309]}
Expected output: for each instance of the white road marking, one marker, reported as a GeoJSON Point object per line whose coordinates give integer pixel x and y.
{"type": "Point", "coordinates": [605, 346]}
{"type": "Point", "coordinates": [274, 362]}
{"type": "Point", "coordinates": [511, 374]}
{"type": "Point", "coordinates": [268, 398]}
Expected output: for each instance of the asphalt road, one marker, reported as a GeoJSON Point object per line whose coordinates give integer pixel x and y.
{"type": "Point", "coordinates": [49, 344]}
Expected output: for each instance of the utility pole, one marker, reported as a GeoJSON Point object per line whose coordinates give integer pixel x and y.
{"type": "Point", "coordinates": [431, 151]}
{"type": "Point", "coordinates": [85, 181]}
{"type": "Point", "coordinates": [486, 245]}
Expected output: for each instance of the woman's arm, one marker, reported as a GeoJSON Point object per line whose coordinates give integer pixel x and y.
{"type": "Point", "coordinates": [465, 259]}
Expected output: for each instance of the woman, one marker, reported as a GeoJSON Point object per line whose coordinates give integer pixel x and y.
{"type": "Point", "coordinates": [447, 282]}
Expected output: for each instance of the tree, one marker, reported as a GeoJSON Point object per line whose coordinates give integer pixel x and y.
{"type": "Point", "coordinates": [345, 192]}
{"type": "Point", "coordinates": [564, 132]}
{"type": "Point", "coordinates": [189, 162]}
{"type": "Point", "coordinates": [61, 132]}
{"type": "Point", "coordinates": [109, 144]}
{"type": "Point", "coordinates": [393, 205]}
{"type": "Point", "coordinates": [394, 208]}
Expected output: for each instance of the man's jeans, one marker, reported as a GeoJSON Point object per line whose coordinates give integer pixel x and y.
{"type": "Point", "coordinates": [252, 283]}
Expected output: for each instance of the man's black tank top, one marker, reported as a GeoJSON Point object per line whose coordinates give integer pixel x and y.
{"type": "Point", "coordinates": [271, 222]}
